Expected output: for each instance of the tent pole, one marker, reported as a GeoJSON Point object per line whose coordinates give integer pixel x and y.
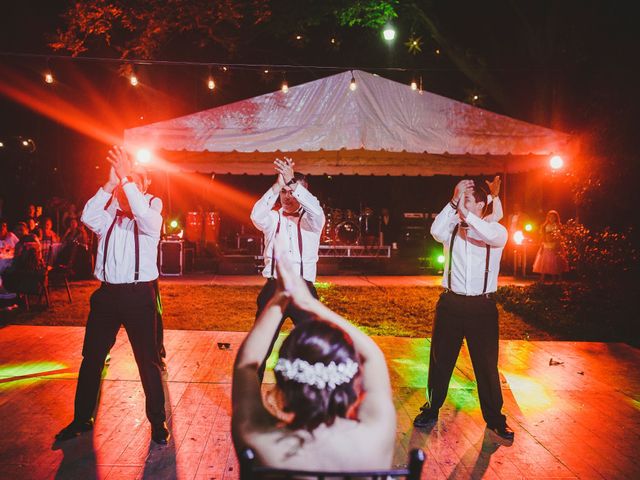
{"type": "Point", "coordinates": [504, 182]}
{"type": "Point", "coordinates": [169, 193]}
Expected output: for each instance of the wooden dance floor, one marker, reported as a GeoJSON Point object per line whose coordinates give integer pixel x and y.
{"type": "Point", "coordinates": [575, 408]}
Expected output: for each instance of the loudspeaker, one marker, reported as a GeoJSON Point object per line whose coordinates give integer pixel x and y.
{"type": "Point", "coordinates": [171, 257]}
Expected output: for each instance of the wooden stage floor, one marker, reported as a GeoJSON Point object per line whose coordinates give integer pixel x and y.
{"type": "Point", "coordinates": [575, 408]}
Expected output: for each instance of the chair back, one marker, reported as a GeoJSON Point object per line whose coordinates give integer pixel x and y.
{"type": "Point", "coordinates": [250, 471]}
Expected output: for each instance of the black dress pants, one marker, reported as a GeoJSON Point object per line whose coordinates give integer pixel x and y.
{"type": "Point", "coordinates": [134, 307]}
{"type": "Point", "coordinates": [296, 315]}
{"type": "Point", "coordinates": [476, 319]}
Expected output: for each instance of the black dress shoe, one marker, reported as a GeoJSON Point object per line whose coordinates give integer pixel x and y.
{"type": "Point", "coordinates": [503, 431]}
{"type": "Point", "coordinates": [74, 429]}
{"type": "Point", "coordinates": [426, 418]}
{"type": "Point", "coordinates": [160, 433]}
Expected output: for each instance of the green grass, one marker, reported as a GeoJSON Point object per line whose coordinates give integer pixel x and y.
{"type": "Point", "coordinates": [393, 311]}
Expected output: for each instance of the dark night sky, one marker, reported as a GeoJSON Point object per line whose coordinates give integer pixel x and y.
{"type": "Point", "coordinates": [593, 68]}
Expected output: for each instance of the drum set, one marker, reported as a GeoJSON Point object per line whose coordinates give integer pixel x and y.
{"type": "Point", "coordinates": [348, 227]}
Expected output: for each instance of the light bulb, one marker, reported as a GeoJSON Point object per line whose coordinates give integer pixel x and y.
{"type": "Point", "coordinates": [211, 84]}
{"type": "Point", "coordinates": [285, 86]}
{"type": "Point", "coordinates": [48, 77]}
{"type": "Point", "coordinates": [133, 80]}
{"type": "Point", "coordinates": [414, 85]}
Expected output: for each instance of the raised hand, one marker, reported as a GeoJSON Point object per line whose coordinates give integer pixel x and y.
{"type": "Point", "coordinates": [120, 161]}
{"type": "Point", "coordinates": [460, 189]}
{"type": "Point", "coordinates": [284, 168]}
{"type": "Point", "coordinates": [494, 186]}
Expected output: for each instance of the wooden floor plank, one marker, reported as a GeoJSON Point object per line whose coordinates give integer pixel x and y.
{"type": "Point", "coordinates": [578, 417]}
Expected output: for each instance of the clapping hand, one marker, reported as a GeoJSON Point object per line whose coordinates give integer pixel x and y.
{"type": "Point", "coordinates": [284, 168]}
{"type": "Point", "coordinates": [494, 186]}
{"type": "Point", "coordinates": [120, 162]}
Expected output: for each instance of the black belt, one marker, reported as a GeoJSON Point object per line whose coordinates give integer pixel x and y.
{"type": "Point", "coordinates": [126, 285]}
{"type": "Point", "coordinates": [489, 295]}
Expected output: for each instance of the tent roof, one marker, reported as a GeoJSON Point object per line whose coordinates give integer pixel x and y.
{"type": "Point", "coordinates": [383, 127]}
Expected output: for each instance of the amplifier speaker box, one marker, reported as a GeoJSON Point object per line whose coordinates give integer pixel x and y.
{"type": "Point", "coordinates": [171, 257]}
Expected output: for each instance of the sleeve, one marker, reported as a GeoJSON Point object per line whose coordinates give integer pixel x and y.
{"type": "Point", "coordinates": [261, 214]}
{"type": "Point", "coordinates": [498, 213]}
{"type": "Point", "coordinates": [148, 215]}
{"type": "Point", "coordinates": [492, 233]}
{"type": "Point", "coordinates": [94, 215]}
{"type": "Point", "coordinates": [443, 224]}
{"type": "Point", "coordinates": [314, 212]}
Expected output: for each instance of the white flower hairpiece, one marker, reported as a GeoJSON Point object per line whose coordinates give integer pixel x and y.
{"type": "Point", "coordinates": [318, 374]}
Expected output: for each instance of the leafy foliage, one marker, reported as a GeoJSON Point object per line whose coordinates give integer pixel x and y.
{"type": "Point", "coordinates": [601, 304]}
{"type": "Point", "coordinates": [368, 13]}
{"type": "Point", "coordinates": [142, 28]}
{"type": "Point", "coordinates": [599, 256]}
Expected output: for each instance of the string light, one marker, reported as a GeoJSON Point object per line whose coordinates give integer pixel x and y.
{"type": "Point", "coordinates": [211, 84]}
{"type": "Point", "coordinates": [133, 79]}
{"type": "Point", "coordinates": [352, 83]}
{"type": "Point", "coordinates": [389, 33]}
{"type": "Point", "coordinates": [285, 86]}
{"type": "Point", "coordinates": [48, 77]}
{"type": "Point", "coordinates": [298, 37]}
{"type": "Point", "coordinates": [414, 85]}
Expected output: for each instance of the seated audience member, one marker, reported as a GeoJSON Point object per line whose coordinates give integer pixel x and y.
{"type": "Point", "coordinates": [32, 226]}
{"type": "Point", "coordinates": [7, 239]}
{"type": "Point", "coordinates": [75, 253]}
{"type": "Point", "coordinates": [20, 230]}
{"type": "Point", "coordinates": [331, 407]}
{"type": "Point", "coordinates": [48, 234]}
{"type": "Point", "coordinates": [31, 212]}
{"type": "Point", "coordinates": [27, 268]}
{"type": "Point", "coordinates": [76, 233]}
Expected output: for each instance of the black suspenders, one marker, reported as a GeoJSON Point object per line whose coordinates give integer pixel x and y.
{"type": "Point", "coordinates": [273, 258]}
{"type": "Point", "coordinates": [486, 265]}
{"type": "Point", "coordinates": [136, 239]}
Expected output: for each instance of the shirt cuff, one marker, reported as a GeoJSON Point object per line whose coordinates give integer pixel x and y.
{"type": "Point", "coordinates": [472, 219]}
{"type": "Point", "coordinates": [103, 195]}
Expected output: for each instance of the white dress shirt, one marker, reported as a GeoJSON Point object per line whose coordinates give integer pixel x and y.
{"type": "Point", "coordinates": [120, 264]}
{"type": "Point", "coordinates": [469, 251]}
{"type": "Point", "coordinates": [9, 241]}
{"type": "Point", "coordinates": [497, 213]}
{"type": "Point", "coordinates": [266, 220]}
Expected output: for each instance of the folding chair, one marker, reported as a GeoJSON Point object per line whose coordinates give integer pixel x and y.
{"type": "Point", "coordinates": [250, 471]}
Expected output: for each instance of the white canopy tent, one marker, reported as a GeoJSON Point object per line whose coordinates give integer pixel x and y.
{"type": "Point", "coordinates": [381, 128]}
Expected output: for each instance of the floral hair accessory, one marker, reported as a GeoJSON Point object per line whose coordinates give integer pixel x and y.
{"type": "Point", "coordinates": [317, 375]}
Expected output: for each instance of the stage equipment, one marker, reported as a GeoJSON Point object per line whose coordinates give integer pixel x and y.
{"type": "Point", "coordinates": [347, 233]}
{"type": "Point", "coordinates": [193, 227]}
{"type": "Point", "coordinates": [171, 257]}
{"type": "Point", "coordinates": [211, 227]}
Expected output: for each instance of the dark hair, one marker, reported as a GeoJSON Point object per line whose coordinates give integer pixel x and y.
{"type": "Point", "coordinates": [480, 195]}
{"type": "Point", "coordinates": [301, 178]}
{"type": "Point", "coordinates": [317, 341]}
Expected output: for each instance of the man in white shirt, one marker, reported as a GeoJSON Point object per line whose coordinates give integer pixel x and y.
{"type": "Point", "coordinates": [300, 219]}
{"type": "Point", "coordinates": [8, 240]}
{"type": "Point", "coordinates": [466, 309]}
{"type": "Point", "coordinates": [127, 223]}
